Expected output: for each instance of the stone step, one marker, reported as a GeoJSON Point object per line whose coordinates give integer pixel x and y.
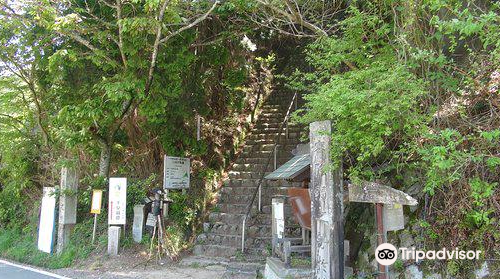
{"type": "Point", "coordinates": [266, 190]}
{"type": "Point", "coordinates": [227, 251]}
{"type": "Point", "coordinates": [235, 219]}
{"type": "Point", "coordinates": [254, 182]}
{"type": "Point", "coordinates": [245, 174]}
{"type": "Point", "coordinates": [271, 141]}
{"type": "Point", "coordinates": [211, 250]}
{"type": "Point", "coordinates": [234, 240]}
{"type": "Point", "coordinates": [264, 125]}
{"type": "Point", "coordinates": [291, 230]}
{"type": "Point", "coordinates": [269, 147]}
{"type": "Point", "coordinates": [261, 167]}
{"type": "Point", "coordinates": [275, 130]}
{"type": "Point", "coordinates": [224, 217]}
{"type": "Point", "coordinates": [237, 208]}
{"type": "Point", "coordinates": [272, 137]}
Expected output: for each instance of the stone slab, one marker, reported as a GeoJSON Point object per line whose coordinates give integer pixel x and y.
{"type": "Point", "coordinates": [275, 269]}
{"type": "Point", "coordinates": [138, 225]}
{"type": "Point", "coordinates": [113, 240]}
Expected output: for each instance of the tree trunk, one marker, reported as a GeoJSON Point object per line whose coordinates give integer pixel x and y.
{"type": "Point", "coordinates": [105, 159]}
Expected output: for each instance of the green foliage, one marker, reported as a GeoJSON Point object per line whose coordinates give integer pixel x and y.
{"type": "Point", "coordinates": [20, 245]}
{"type": "Point", "coordinates": [181, 211]}
{"type": "Point", "coordinates": [374, 107]}
{"type": "Point", "coordinates": [444, 159]}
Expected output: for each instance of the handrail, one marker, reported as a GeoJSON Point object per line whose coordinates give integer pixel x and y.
{"type": "Point", "coordinates": [258, 190]}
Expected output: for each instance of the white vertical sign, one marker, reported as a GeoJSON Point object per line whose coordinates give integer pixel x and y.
{"type": "Point", "coordinates": [176, 172]}
{"type": "Point", "coordinates": [47, 220]}
{"type": "Point", "coordinates": [117, 206]}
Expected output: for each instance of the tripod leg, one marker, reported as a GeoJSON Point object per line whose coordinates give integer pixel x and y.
{"type": "Point", "coordinates": [152, 241]}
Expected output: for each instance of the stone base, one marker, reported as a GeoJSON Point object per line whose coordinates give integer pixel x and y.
{"type": "Point", "coordinates": [275, 269]}
{"type": "Point", "coordinates": [113, 240]}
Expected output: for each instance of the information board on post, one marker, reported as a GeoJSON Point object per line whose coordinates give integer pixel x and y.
{"type": "Point", "coordinates": [176, 172]}
{"type": "Point", "coordinates": [117, 205]}
{"type": "Point", "coordinates": [47, 220]}
{"type": "Point", "coordinates": [95, 208]}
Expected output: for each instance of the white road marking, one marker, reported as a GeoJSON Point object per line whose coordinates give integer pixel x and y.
{"type": "Point", "coordinates": [43, 272]}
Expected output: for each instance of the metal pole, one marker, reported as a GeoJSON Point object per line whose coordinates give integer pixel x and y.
{"type": "Point", "coordinates": [95, 226]}
{"type": "Point", "coordinates": [243, 234]}
{"type": "Point", "coordinates": [380, 237]}
{"type": "Point", "coordinates": [260, 198]}
{"type": "Point", "coordinates": [275, 156]}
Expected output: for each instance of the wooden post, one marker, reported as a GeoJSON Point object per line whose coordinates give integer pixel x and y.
{"type": "Point", "coordinates": [327, 235]}
{"type": "Point", "coordinates": [380, 237]}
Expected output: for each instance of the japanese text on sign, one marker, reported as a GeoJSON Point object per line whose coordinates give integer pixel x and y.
{"type": "Point", "coordinates": [117, 201]}
{"type": "Point", "coordinates": [176, 173]}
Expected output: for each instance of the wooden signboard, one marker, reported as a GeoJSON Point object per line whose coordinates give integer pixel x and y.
{"type": "Point", "coordinates": [372, 192]}
{"type": "Point", "coordinates": [176, 172]}
{"type": "Point", "coordinates": [117, 206]}
{"type": "Point", "coordinates": [95, 208]}
{"type": "Point", "coordinates": [47, 220]}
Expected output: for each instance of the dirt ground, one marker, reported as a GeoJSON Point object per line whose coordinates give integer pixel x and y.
{"type": "Point", "coordinates": [135, 263]}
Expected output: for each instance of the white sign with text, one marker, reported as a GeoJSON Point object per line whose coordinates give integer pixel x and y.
{"type": "Point", "coordinates": [176, 172]}
{"type": "Point", "coordinates": [47, 220]}
{"type": "Point", "coordinates": [117, 206]}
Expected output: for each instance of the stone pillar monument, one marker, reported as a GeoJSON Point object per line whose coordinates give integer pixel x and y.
{"type": "Point", "coordinates": [67, 206]}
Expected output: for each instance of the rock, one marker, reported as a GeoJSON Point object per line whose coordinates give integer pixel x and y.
{"type": "Point", "coordinates": [406, 239]}
{"type": "Point", "coordinates": [434, 276]}
{"type": "Point", "coordinates": [483, 271]}
{"type": "Point", "coordinates": [202, 238]}
{"type": "Point", "coordinates": [394, 274]}
{"type": "Point", "coordinates": [412, 272]}
{"type": "Point", "coordinates": [206, 227]}
{"type": "Point", "coordinates": [216, 267]}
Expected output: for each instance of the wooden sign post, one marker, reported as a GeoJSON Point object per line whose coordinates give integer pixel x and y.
{"type": "Point", "coordinates": [95, 209]}
{"type": "Point", "coordinates": [382, 196]}
{"type": "Point", "coordinates": [327, 207]}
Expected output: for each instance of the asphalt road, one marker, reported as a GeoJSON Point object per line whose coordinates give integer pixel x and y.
{"type": "Point", "coordinates": [15, 271]}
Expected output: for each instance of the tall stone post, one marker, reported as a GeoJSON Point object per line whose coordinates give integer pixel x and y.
{"type": "Point", "coordinates": [67, 206]}
{"type": "Point", "coordinates": [327, 227]}
{"type": "Point", "coordinates": [138, 226]}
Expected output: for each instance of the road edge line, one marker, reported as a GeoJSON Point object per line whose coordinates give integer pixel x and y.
{"type": "Point", "coordinates": [43, 272]}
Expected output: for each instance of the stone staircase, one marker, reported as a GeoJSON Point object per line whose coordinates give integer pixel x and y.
{"type": "Point", "coordinates": [222, 232]}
